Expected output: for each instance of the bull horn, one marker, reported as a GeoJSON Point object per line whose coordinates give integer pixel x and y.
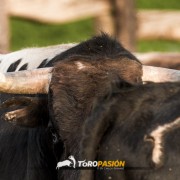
{"type": "Point", "coordinates": [37, 81]}
{"type": "Point", "coordinates": [26, 82]}
{"type": "Point", "coordinates": [158, 74]}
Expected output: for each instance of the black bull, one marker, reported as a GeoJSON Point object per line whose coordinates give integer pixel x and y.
{"type": "Point", "coordinates": [26, 153]}
{"type": "Point", "coordinates": [139, 126]}
{"type": "Point", "coordinates": [128, 123]}
{"type": "Point", "coordinates": [119, 127]}
{"type": "Point", "coordinates": [71, 101]}
{"type": "Point", "coordinates": [29, 153]}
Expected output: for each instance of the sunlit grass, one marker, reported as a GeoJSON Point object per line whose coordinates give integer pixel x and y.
{"type": "Point", "coordinates": [158, 4]}
{"type": "Point", "coordinates": [158, 45]}
{"type": "Point", "coordinates": [30, 33]}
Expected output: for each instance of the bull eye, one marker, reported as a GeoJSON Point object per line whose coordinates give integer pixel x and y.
{"type": "Point", "coordinates": [54, 138]}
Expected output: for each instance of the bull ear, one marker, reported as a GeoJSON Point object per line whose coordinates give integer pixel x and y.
{"type": "Point", "coordinates": [27, 112]}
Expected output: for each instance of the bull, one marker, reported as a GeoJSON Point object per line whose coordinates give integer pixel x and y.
{"type": "Point", "coordinates": [80, 75]}
{"type": "Point", "coordinates": [27, 153]}
{"type": "Point", "coordinates": [139, 125]}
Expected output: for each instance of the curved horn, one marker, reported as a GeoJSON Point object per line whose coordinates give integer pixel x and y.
{"type": "Point", "coordinates": [37, 81]}
{"type": "Point", "coordinates": [157, 74]}
{"type": "Point", "coordinates": [26, 82]}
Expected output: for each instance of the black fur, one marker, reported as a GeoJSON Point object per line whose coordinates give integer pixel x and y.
{"type": "Point", "coordinates": [14, 66]}
{"type": "Point", "coordinates": [98, 47]}
{"type": "Point", "coordinates": [23, 67]}
{"type": "Point", "coordinates": [73, 90]}
{"type": "Point", "coordinates": [118, 125]}
{"type": "Point", "coordinates": [43, 63]}
{"type": "Point", "coordinates": [71, 97]}
{"type": "Point", "coordinates": [26, 153]}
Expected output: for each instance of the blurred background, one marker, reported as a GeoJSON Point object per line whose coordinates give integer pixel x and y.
{"type": "Point", "coordinates": [141, 25]}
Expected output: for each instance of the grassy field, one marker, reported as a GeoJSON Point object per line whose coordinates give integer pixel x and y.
{"type": "Point", "coordinates": [158, 45]}
{"type": "Point", "coordinates": [158, 4]}
{"type": "Point", "coordinates": [29, 33]}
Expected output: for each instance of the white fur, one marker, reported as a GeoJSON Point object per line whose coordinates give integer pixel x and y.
{"type": "Point", "coordinates": [80, 65]}
{"type": "Point", "coordinates": [157, 135]}
{"type": "Point", "coordinates": [32, 56]}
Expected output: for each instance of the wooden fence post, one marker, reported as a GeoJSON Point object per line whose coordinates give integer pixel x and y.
{"type": "Point", "coordinates": [125, 22]}
{"type": "Point", "coordinates": [4, 26]}
{"type": "Point", "coordinates": [104, 22]}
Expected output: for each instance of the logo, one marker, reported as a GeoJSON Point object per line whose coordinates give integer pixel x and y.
{"type": "Point", "coordinates": [71, 162]}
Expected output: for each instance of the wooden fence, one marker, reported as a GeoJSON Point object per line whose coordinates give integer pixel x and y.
{"type": "Point", "coordinates": [122, 23]}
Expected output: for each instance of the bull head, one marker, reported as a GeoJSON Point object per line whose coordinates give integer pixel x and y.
{"type": "Point", "coordinates": [37, 81]}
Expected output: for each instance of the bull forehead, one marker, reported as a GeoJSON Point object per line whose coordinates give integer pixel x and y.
{"type": "Point", "coordinates": [118, 63]}
{"type": "Point", "coordinates": [127, 69]}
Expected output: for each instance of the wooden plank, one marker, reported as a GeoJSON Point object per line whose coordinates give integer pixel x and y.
{"type": "Point", "coordinates": [152, 24]}
{"type": "Point", "coordinates": [166, 59]}
{"type": "Point", "coordinates": [104, 23]}
{"type": "Point", "coordinates": [125, 22]}
{"type": "Point", "coordinates": [57, 11]}
{"type": "Point", "coordinates": [159, 24]}
{"type": "Point", "coordinates": [4, 27]}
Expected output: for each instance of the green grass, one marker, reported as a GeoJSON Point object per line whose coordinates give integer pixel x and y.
{"type": "Point", "coordinates": [158, 45]}
{"type": "Point", "coordinates": [29, 33]}
{"type": "Point", "coordinates": [158, 4]}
